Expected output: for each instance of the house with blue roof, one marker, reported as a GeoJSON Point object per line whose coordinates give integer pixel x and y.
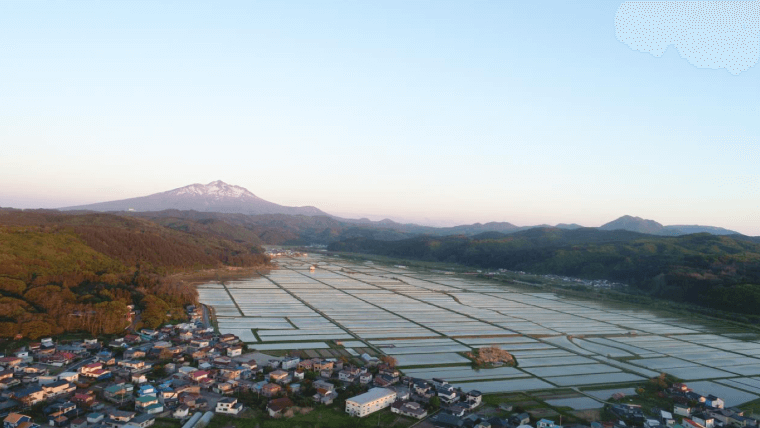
{"type": "Point", "coordinates": [545, 423]}
{"type": "Point", "coordinates": [146, 390]}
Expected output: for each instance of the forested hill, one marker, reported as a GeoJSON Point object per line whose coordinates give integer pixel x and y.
{"type": "Point", "coordinates": [67, 272]}
{"type": "Point", "coordinates": [721, 272]}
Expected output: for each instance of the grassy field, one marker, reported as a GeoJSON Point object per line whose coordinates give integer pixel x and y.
{"type": "Point", "coordinates": [317, 418]}
{"type": "Point", "coordinates": [751, 408]}
{"type": "Point", "coordinates": [167, 423]}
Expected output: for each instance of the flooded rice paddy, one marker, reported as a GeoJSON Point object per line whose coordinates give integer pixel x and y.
{"type": "Point", "coordinates": [428, 321]}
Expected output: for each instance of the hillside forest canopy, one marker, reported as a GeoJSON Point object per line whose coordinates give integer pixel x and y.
{"type": "Point", "coordinates": [717, 272]}
{"type": "Point", "coordinates": [80, 272]}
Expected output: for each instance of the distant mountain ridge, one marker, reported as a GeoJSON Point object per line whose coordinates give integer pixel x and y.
{"type": "Point", "coordinates": [216, 196]}
{"type": "Point", "coordinates": [220, 197]}
{"type": "Point", "coordinates": [651, 227]}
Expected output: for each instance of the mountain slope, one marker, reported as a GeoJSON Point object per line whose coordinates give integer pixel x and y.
{"type": "Point", "coordinates": [689, 229]}
{"type": "Point", "coordinates": [216, 196]}
{"type": "Point", "coordinates": [651, 227]}
{"type": "Point", "coordinates": [70, 272]}
{"type": "Point", "coordinates": [635, 224]}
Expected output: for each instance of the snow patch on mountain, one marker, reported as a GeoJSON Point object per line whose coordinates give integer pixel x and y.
{"type": "Point", "coordinates": [215, 188]}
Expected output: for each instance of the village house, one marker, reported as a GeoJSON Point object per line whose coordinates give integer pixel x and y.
{"type": "Point", "coordinates": [141, 421]}
{"type": "Point", "coordinates": [200, 353]}
{"type": "Point", "coordinates": [705, 419]}
{"type": "Point", "coordinates": [545, 423]}
{"type": "Point", "coordinates": [224, 388]}
{"type": "Point", "coordinates": [9, 382]}
{"type": "Point", "coordinates": [166, 393]}
{"type": "Point", "coordinates": [87, 369]}
{"type": "Point", "coordinates": [250, 365]}
{"type": "Point", "coordinates": [278, 405]}
{"type": "Point", "coordinates": [57, 414]}
{"type": "Point", "coordinates": [348, 374]}
{"type": "Point", "coordinates": [119, 392]}
{"type": "Point", "coordinates": [289, 363]}
{"type": "Point", "coordinates": [298, 374]}
{"type": "Point", "coordinates": [447, 394]}
{"type": "Point", "coordinates": [206, 383]}
{"type": "Point", "coordinates": [6, 374]}
{"type": "Point", "coordinates": [325, 396]}
{"type": "Point", "coordinates": [200, 343]}
{"type": "Point", "coordinates": [384, 380]}
{"type": "Point", "coordinates": [231, 373]}
{"type": "Point", "coordinates": [147, 390]}
{"type": "Point", "coordinates": [229, 338]}
{"type": "Point", "coordinates": [682, 410]}
{"type": "Point", "coordinates": [222, 361]}
{"type": "Point", "coordinates": [17, 420]}
{"type": "Point", "coordinates": [198, 375]}
{"type": "Point", "coordinates": [117, 418]}
{"type": "Point", "coordinates": [183, 386]}
{"type": "Point", "coordinates": [190, 399]}
{"type": "Point", "coordinates": [86, 398]}
{"type": "Point", "coordinates": [408, 408]}
{"type": "Point", "coordinates": [79, 423]}
{"type": "Point", "coordinates": [234, 351]}
{"type": "Point", "coordinates": [10, 362]}
{"type": "Point", "coordinates": [148, 404]}
{"type": "Point", "coordinates": [320, 365]}
{"type": "Point", "coordinates": [365, 378]}
{"type": "Point", "coordinates": [134, 353]}
{"type": "Point", "coordinates": [181, 411]}
{"type": "Point", "coordinates": [138, 378]}
{"type": "Point", "coordinates": [306, 365]}
{"type": "Point", "coordinates": [688, 423]}
{"type": "Point", "coordinates": [57, 388]}
{"type": "Point", "coordinates": [69, 376]}
{"type": "Point", "coordinates": [95, 418]}
{"type": "Point", "coordinates": [270, 389]}
{"type": "Point", "coordinates": [132, 339]}
{"type": "Point", "coordinates": [714, 402]}
{"type": "Point", "coordinates": [29, 395]}
{"type": "Point", "coordinates": [228, 406]}
{"type": "Point", "coordinates": [278, 376]}
{"type": "Point", "coordinates": [474, 397]}
{"type": "Point", "coordinates": [132, 365]}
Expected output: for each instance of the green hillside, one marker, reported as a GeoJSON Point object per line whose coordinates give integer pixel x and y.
{"type": "Point", "coordinates": [68, 272]}
{"type": "Point", "coordinates": [719, 272]}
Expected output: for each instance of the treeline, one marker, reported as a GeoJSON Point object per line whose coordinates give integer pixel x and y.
{"type": "Point", "coordinates": [62, 272]}
{"type": "Point", "coordinates": [719, 272]}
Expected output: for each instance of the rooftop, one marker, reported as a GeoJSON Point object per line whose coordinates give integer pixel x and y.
{"type": "Point", "coordinates": [371, 395]}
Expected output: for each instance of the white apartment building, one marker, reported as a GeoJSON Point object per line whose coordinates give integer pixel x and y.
{"type": "Point", "coordinates": [371, 401]}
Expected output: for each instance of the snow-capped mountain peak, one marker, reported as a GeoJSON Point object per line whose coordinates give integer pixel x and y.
{"type": "Point", "coordinates": [216, 196]}
{"type": "Point", "coordinates": [216, 188]}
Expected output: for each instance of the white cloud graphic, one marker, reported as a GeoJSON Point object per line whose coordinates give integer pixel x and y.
{"type": "Point", "coordinates": [709, 34]}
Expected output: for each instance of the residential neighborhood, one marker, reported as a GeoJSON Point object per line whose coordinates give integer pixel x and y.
{"type": "Point", "coordinates": [188, 373]}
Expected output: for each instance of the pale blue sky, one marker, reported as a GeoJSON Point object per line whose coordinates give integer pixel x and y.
{"type": "Point", "coordinates": [529, 112]}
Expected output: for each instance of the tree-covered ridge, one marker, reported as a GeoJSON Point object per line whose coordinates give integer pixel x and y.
{"type": "Point", "coordinates": [721, 272]}
{"type": "Point", "coordinates": [68, 272]}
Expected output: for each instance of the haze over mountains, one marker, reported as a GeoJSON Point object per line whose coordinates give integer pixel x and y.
{"type": "Point", "coordinates": [220, 197]}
